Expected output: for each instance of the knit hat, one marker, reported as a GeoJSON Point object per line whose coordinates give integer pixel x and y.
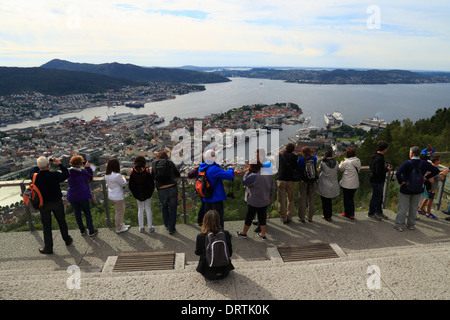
{"type": "Point", "coordinates": [210, 156]}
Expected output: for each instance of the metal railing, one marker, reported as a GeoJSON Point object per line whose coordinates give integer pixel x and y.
{"type": "Point", "coordinates": [23, 184]}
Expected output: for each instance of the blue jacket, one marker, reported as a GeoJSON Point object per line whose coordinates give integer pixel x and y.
{"type": "Point", "coordinates": [215, 175]}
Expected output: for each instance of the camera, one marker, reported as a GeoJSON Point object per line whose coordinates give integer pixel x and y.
{"type": "Point", "coordinates": [50, 159]}
{"type": "Point", "coordinates": [230, 195]}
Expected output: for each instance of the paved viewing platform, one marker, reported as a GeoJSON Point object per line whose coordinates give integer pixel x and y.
{"type": "Point", "coordinates": [373, 261]}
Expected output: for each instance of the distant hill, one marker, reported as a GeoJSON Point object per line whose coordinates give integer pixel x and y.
{"type": "Point", "coordinates": [133, 72]}
{"type": "Point", "coordinates": [341, 76]}
{"type": "Point", "coordinates": [14, 80]}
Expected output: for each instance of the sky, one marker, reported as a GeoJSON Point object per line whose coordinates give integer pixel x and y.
{"type": "Point", "coordinates": [396, 34]}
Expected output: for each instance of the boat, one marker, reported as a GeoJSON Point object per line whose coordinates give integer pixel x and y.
{"type": "Point", "coordinates": [303, 132]}
{"type": "Point", "coordinates": [373, 122]}
{"type": "Point", "coordinates": [159, 120]}
{"type": "Point", "coordinates": [119, 116]}
{"type": "Point", "coordinates": [134, 104]}
{"type": "Point", "coordinates": [329, 120]}
{"type": "Point", "coordinates": [338, 117]}
{"type": "Point", "coordinates": [273, 127]}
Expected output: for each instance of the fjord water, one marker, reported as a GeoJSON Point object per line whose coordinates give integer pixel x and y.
{"type": "Point", "coordinates": [389, 102]}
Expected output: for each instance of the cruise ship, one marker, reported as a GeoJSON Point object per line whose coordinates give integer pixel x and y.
{"type": "Point", "coordinates": [329, 120]}
{"type": "Point", "coordinates": [373, 122]}
{"type": "Point", "coordinates": [338, 117]}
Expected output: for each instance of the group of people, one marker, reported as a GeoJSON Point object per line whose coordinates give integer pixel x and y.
{"type": "Point", "coordinates": [312, 178]}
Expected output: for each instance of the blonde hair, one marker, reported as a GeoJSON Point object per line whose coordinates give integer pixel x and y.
{"type": "Point", "coordinates": [76, 161]}
{"type": "Point", "coordinates": [211, 222]}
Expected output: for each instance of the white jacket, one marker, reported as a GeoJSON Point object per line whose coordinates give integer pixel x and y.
{"type": "Point", "coordinates": [350, 168]}
{"type": "Point", "coordinates": [115, 183]}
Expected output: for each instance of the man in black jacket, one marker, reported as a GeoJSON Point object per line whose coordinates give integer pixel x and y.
{"type": "Point", "coordinates": [285, 182]}
{"type": "Point", "coordinates": [48, 183]}
{"type": "Point", "coordinates": [379, 169]}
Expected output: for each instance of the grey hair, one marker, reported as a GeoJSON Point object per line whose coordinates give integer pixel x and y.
{"type": "Point", "coordinates": [42, 162]}
{"type": "Point", "coordinates": [415, 151]}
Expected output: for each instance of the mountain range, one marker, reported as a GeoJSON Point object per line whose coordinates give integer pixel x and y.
{"type": "Point", "coordinates": [60, 77]}
{"type": "Point", "coordinates": [137, 73]}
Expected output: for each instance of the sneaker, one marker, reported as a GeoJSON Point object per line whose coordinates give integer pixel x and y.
{"type": "Point", "coordinates": [399, 228]}
{"type": "Point", "coordinates": [374, 217]}
{"type": "Point", "coordinates": [421, 211]}
{"type": "Point", "coordinates": [141, 229]}
{"type": "Point", "coordinates": [173, 231]}
{"type": "Point", "coordinates": [381, 215]}
{"type": "Point", "coordinates": [241, 235]}
{"type": "Point", "coordinates": [93, 233]}
{"type": "Point", "coordinates": [151, 229]}
{"type": "Point", "coordinates": [445, 212]}
{"type": "Point", "coordinates": [46, 250]}
{"type": "Point", "coordinates": [83, 233]}
{"type": "Point", "coordinates": [431, 216]}
{"type": "Point", "coordinates": [258, 229]}
{"type": "Point", "coordinates": [123, 229]}
{"type": "Point", "coordinates": [411, 227]}
{"type": "Point", "coordinates": [263, 238]}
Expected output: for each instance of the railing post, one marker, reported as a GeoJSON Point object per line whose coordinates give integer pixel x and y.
{"type": "Point", "coordinates": [440, 193]}
{"type": "Point", "coordinates": [387, 182]}
{"type": "Point", "coordinates": [27, 209]}
{"type": "Point", "coordinates": [106, 202]}
{"type": "Point", "coordinates": [183, 196]}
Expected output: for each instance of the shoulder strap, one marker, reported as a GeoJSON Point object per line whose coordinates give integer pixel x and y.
{"type": "Point", "coordinates": [34, 177]}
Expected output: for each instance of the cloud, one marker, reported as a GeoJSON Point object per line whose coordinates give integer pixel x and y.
{"type": "Point", "coordinates": [284, 32]}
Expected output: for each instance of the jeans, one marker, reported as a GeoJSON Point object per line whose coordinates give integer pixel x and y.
{"type": "Point", "coordinates": [407, 204]}
{"type": "Point", "coordinates": [57, 207]}
{"type": "Point", "coordinates": [376, 202]}
{"type": "Point", "coordinates": [307, 192]}
{"type": "Point", "coordinates": [83, 206]}
{"type": "Point", "coordinates": [169, 202]}
{"type": "Point", "coordinates": [218, 206]}
{"type": "Point", "coordinates": [349, 204]}
{"type": "Point", "coordinates": [286, 191]}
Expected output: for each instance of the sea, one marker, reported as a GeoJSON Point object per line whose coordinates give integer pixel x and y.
{"type": "Point", "coordinates": [388, 102]}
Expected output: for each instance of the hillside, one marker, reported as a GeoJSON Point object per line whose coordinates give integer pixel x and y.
{"type": "Point", "coordinates": [56, 82]}
{"type": "Point", "coordinates": [134, 72]}
{"type": "Point", "coordinates": [341, 76]}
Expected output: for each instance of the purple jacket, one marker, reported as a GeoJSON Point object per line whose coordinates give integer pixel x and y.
{"type": "Point", "coordinates": [79, 190]}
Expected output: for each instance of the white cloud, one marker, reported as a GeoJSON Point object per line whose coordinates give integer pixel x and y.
{"type": "Point", "coordinates": [285, 32]}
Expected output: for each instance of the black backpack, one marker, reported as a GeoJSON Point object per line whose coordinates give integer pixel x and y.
{"type": "Point", "coordinates": [162, 170]}
{"type": "Point", "coordinates": [309, 170]}
{"type": "Point", "coordinates": [217, 251]}
{"type": "Point", "coordinates": [415, 183]}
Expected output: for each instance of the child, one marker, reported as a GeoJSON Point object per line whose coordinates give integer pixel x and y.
{"type": "Point", "coordinates": [116, 182]}
{"type": "Point", "coordinates": [142, 186]}
{"type": "Point", "coordinates": [430, 189]}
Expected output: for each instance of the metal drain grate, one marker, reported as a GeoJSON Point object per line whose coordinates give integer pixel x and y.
{"type": "Point", "coordinates": [145, 261]}
{"type": "Point", "coordinates": [303, 252]}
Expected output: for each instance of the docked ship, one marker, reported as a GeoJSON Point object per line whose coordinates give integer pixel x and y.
{"type": "Point", "coordinates": [119, 116]}
{"type": "Point", "coordinates": [134, 104]}
{"type": "Point", "coordinates": [338, 117]}
{"type": "Point", "coordinates": [373, 122]}
{"type": "Point", "coordinates": [329, 120]}
{"type": "Point", "coordinates": [159, 120]}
